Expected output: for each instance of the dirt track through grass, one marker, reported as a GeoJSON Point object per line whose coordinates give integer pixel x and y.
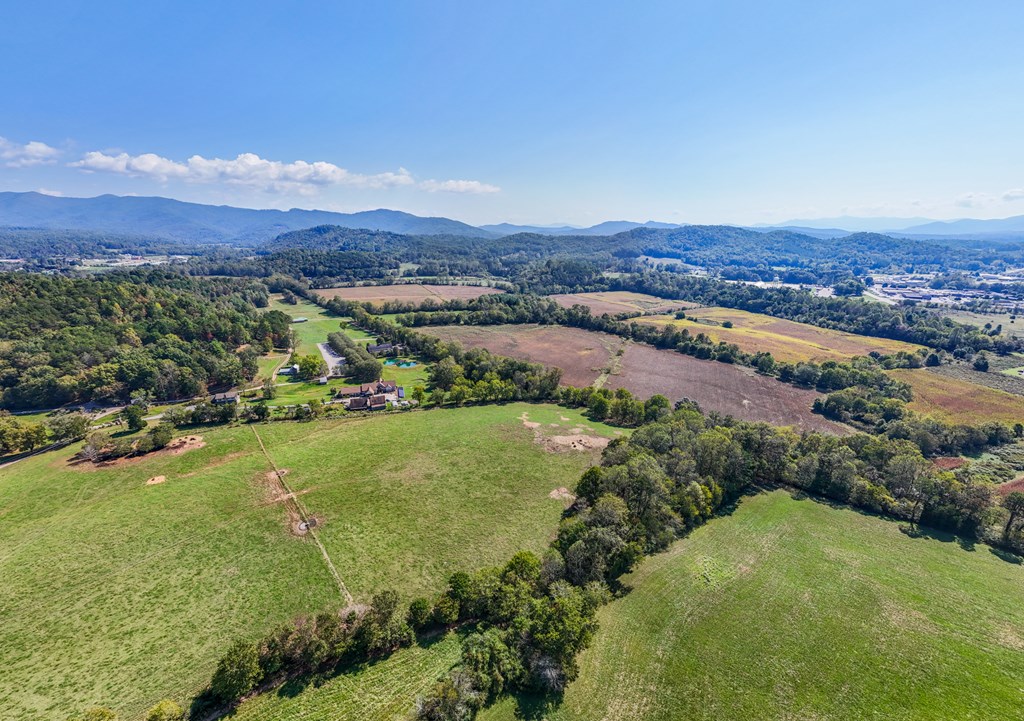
{"type": "Point", "coordinates": [290, 497]}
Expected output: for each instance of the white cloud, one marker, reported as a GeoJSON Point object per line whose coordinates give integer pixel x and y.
{"type": "Point", "coordinates": [984, 200]}
{"type": "Point", "coordinates": [18, 155]}
{"type": "Point", "coordinates": [973, 200]}
{"type": "Point", "coordinates": [250, 170]}
{"type": "Point", "coordinates": [458, 186]}
{"type": "Point", "coordinates": [48, 191]}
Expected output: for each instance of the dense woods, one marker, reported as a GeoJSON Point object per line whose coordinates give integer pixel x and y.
{"type": "Point", "coordinates": [155, 334]}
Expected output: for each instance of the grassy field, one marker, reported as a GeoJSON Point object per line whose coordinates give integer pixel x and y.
{"type": "Point", "coordinates": [793, 609]}
{"type": "Point", "coordinates": [314, 330]}
{"type": "Point", "coordinates": [786, 340]}
{"type": "Point", "coordinates": [959, 401]}
{"type": "Point", "coordinates": [133, 590]}
{"type": "Point", "coordinates": [268, 364]}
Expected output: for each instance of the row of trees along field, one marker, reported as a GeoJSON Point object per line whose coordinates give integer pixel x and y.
{"type": "Point", "coordinates": [528, 619]}
{"type": "Point", "coordinates": [156, 333]}
{"type": "Point", "coordinates": [878, 397]}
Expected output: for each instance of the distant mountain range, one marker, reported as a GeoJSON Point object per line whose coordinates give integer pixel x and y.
{"type": "Point", "coordinates": [609, 227]}
{"type": "Point", "coordinates": [196, 223]}
{"type": "Point", "coordinates": [169, 219]}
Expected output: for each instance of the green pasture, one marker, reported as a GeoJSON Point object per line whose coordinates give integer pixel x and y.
{"type": "Point", "coordinates": [133, 590]}
{"type": "Point", "coordinates": [793, 609]}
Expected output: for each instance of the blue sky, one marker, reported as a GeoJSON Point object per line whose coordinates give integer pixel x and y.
{"type": "Point", "coordinates": [543, 112]}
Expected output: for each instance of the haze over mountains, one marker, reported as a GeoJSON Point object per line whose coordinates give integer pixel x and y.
{"type": "Point", "coordinates": [198, 223]}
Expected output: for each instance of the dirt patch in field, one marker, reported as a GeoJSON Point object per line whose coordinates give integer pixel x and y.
{"type": "Point", "coordinates": [575, 443]}
{"type": "Point", "coordinates": [578, 441]}
{"type": "Point", "coordinates": [155, 480]}
{"type": "Point", "coordinates": [581, 355]}
{"type": "Point", "coordinates": [411, 293]}
{"type": "Point", "coordinates": [527, 422]}
{"type": "Point", "coordinates": [720, 387]}
{"type": "Point", "coordinates": [948, 463]}
{"type": "Point", "coordinates": [184, 444]}
{"type": "Point", "coordinates": [563, 494]}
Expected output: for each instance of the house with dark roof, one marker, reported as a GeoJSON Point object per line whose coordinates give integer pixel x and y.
{"type": "Point", "coordinates": [358, 404]}
{"type": "Point", "coordinates": [383, 348]}
{"type": "Point", "coordinates": [378, 402]}
{"type": "Point", "coordinates": [222, 398]}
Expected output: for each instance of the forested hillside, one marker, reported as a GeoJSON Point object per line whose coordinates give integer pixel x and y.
{"type": "Point", "coordinates": [162, 334]}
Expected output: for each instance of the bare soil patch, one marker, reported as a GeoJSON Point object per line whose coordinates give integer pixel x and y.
{"type": "Point", "coordinates": [582, 355]}
{"type": "Point", "coordinates": [563, 494]}
{"type": "Point", "coordinates": [527, 422]}
{"type": "Point", "coordinates": [184, 444]}
{"type": "Point", "coordinates": [155, 480]}
{"type": "Point", "coordinates": [576, 442]}
{"type": "Point", "coordinates": [411, 292]}
{"type": "Point", "coordinates": [948, 463]}
{"type": "Point", "coordinates": [719, 387]}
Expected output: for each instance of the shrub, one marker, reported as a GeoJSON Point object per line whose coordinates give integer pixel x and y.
{"type": "Point", "coordinates": [237, 672]}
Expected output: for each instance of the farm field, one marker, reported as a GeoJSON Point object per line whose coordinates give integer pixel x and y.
{"type": "Point", "coordinates": [620, 301]}
{"type": "Point", "coordinates": [786, 340]}
{"type": "Point", "coordinates": [793, 609]}
{"type": "Point", "coordinates": [721, 387]}
{"type": "Point", "coordinates": [136, 588]}
{"type": "Point", "coordinates": [1005, 373]}
{"type": "Point", "coordinates": [1011, 328]}
{"type": "Point", "coordinates": [959, 401]}
{"type": "Point", "coordinates": [586, 357]}
{"type": "Point", "coordinates": [582, 355]}
{"type": "Point", "coordinates": [408, 292]}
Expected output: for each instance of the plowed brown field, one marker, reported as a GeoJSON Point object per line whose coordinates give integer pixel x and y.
{"type": "Point", "coordinates": [586, 357]}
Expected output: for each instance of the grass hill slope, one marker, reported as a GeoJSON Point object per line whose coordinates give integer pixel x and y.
{"type": "Point", "coordinates": [792, 609]}
{"type": "Point", "coordinates": [125, 583]}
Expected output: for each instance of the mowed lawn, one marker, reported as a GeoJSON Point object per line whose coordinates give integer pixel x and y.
{"type": "Point", "coordinates": [959, 401]}
{"type": "Point", "coordinates": [786, 340]}
{"type": "Point", "coordinates": [792, 609]}
{"type": "Point", "coordinates": [314, 330]}
{"type": "Point", "coordinates": [117, 592]}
